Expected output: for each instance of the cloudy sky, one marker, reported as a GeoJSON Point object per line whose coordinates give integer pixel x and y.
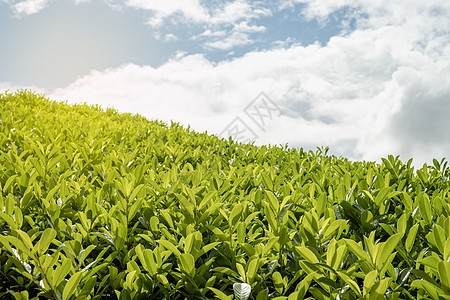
{"type": "Point", "coordinates": [367, 78]}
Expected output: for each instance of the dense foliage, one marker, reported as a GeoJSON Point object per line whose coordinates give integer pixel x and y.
{"type": "Point", "coordinates": [99, 204]}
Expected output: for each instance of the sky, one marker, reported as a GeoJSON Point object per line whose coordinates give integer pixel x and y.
{"type": "Point", "coordinates": [366, 78]}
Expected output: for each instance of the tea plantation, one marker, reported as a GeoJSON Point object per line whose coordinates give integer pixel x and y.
{"type": "Point", "coordinates": [97, 204]}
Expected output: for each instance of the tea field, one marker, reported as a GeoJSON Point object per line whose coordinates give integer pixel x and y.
{"type": "Point", "coordinates": [97, 204]}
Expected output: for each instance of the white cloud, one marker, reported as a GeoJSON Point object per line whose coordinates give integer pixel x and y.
{"type": "Point", "coordinates": [287, 43]}
{"type": "Point", "coordinates": [238, 36]}
{"type": "Point", "coordinates": [193, 11]}
{"type": "Point", "coordinates": [170, 37]}
{"type": "Point", "coordinates": [382, 12]}
{"type": "Point", "coordinates": [223, 40]}
{"type": "Point", "coordinates": [210, 33]}
{"type": "Point", "coordinates": [232, 12]}
{"type": "Point", "coordinates": [234, 40]}
{"type": "Point", "coordinates": [244, 27]}
{"type": "Point", "coordinates": [190, 9]}
{"type": "Point", "coordinates": [28, 7]}
{"type": "Point", "coordinates": [227, 24]}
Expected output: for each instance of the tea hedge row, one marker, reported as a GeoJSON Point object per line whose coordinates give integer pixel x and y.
{"type": "Point", "coordinates": [98, 204]}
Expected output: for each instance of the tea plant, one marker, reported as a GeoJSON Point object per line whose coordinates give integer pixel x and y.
{"type": "Point", "coordinates": [98, 204]}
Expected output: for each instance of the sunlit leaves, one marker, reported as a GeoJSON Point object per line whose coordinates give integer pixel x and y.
{"type": "Point", "coordinates": [98, 204]}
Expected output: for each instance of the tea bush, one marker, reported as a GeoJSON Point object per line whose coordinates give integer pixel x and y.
{"type": "Point", "coordinates": [99, 204]}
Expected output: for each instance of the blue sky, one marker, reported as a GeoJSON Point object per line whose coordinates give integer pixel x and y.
{"type": "Point", "coordinates": [367, 79]}
{"type": "Point", "coordinates": [65, 40]}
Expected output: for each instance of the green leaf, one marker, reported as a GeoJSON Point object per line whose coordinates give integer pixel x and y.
{"type": "Point", "coordinates": [25, 239]}
{"type": "Point", "coordinates": [169, 246]}
{"type": "Point", "coordinates": [211, 211]}
{"type": "Point", "coordinates": [270, 244]}
{"type": "Point", "coordinates": [46, 238]}
{"type": "Point", "coordinates": [220, 295]}
{"type": "Point", "coordinates": [444, 275]}
{"type": "Point", "coordinates": [353, 285]}
{"type": "Point", "coordinates": [270, 216]}
{"type": "Point", "coordinates": [135, 208]}
{"type": "Point", "coordinates": [369, 282]}
{"type": "Point", "coordinates": [303, 285]}
{"type": "Point", "coordinates": [358, 250]}
{"type": "Point", "coordinates": [407, 202]}
{"type": "Point", "coordinates": [321, 204]}
{"type": "Point", "coordinates": [61, 272]}
{"type": "Point", "coordinates": [163, 279]}
{"type": "Point", "coordinates": [9, 183]}
{"type": "Point", "coordinates": [190, 239]}
{"type": "Point", "coordinates": [146, 258]}
{"type": "Point", "coordinates": [21, 296]}
{"type": "Point", "coordinates": [428, 287]}
{"type": "Point", "coordinates": [267, 181]}
{"type": "Point", "coordinates": [9, 220]}
{"type": "Point", "coordinates": [263, 295]}
{"type": "Point", "coordinates": [211, 195]}
{"type": "Point", "coordinates": [241, 230]}
{"type": "Point", "coordinates": [333, 227]}
{"type": "Point", "coordinates": [424, 207]}
{"type": "Point", "coordinates": [278, 282]}
{"type": "Point", "coordinates": [402, 223]}
{"type": "Point", "coordinates": [440, 237]}
{"type": "Point", "coordinates": [430, 261]}
{"type": "Point", "coordinates": [379, 289]}
{"type": "Point", "coordinates": [367, 220]}
{"type": "Point", "coordinates": [387, 248]}
{"type": "Point", "coordinates": [188, 264]}
{"type": "Point", "coordinates": [275, 205]}
{"type": "Point", "coordinates": [71, 285]}
{"type": "Point", "coordinates": [154, 222]}
{"type": "Point", "coordinates": [410, 239]}
{"type": "Point", "coordinates": [252, 269]}
{"type": "Point", "coordinates": [226, 271]}
{"type": "Point", "coordinates": [85, 253]}
{"type": "Point", "coordinates": [381, 196]}
{"type": "Point", "coordinates": [119, 232]}
{"type": "Point", "coordinates": [307, 254]}
{"type": "Point", "coordinates": [135, 192]}
{"type": "Point", "coordinates": [187, 206]}
{"type": "Point", "coordinates": [18, 216]}
{"type": "Point", "coordinates": [88, 286]}
{"type": "Point", "coordinates": [7, 240]}
{"type": "Point", "coordinates": [125, 295]}
{"type": "Point", "coordinates": [235, 215]}
{"type": "Point", "coordinates": [283, 212]}
{"type": "Point", "coordinates": [424, 275]}
{"type": "Point", "coordinates": [204, 249]}
{"type": "Point", "coordinates": [241, 271]}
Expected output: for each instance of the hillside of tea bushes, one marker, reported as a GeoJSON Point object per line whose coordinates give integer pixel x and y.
{"type": "Point", "coordinates": [96, 204]}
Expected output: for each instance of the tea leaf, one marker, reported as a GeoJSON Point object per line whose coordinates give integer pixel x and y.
{"type": "Point", "coordinates": [424, 206]}
{"type": "Point", "coordinates": [187, 264]}
{"type": "Point", "coordinates": [220, 295]}
{"type": "Point", "coordinates": [71, 286]}
{"type": "Point", "coordinates": [46, 238]}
